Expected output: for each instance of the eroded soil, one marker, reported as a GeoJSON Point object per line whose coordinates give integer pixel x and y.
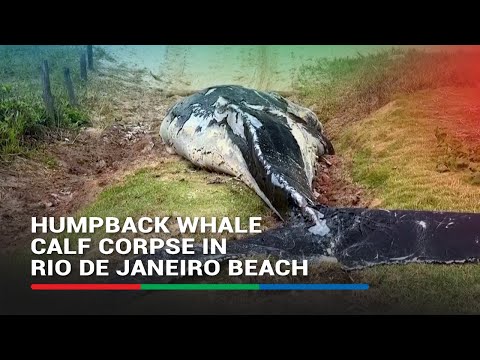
{"type": "Point", "coordinates": [64, 175]}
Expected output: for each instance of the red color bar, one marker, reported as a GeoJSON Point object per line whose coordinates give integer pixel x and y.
{"type": "Point", "coordinates": [85, 286]}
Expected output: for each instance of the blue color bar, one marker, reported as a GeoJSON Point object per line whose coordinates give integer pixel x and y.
{"type": "Point", "coordinates": [314, 286]}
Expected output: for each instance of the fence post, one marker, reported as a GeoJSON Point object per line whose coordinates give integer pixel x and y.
{"type": "Point", "coordinates": [47, 92]}
{"type": "Point", "coordinates": [69, 85]}
{"type": "Point", "coordinates": [90, 57]}
{"type": "Point", "coordinates": [83, 66]}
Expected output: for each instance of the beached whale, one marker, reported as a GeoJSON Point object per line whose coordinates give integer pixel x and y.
{"type": "Point", "coordinates": [272, 144]}
{"type": "Point", "coordinates": [267, 141]}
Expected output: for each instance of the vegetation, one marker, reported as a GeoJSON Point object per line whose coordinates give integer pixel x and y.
{"type": "Point", "coordinates": [176, 189]}
{"type": "Point", "coordinates": [421, 289]}
{"type": "Point", "coordinates": [22, 113]}
{"type": "Point", "coordinates": [409, 158]}
{"type": "Point", "coordinates": [407, 124]}
{"type": "Point", "coordinates": [411, 153]}
{"type": "Point", "coordinates": [399, 113]}
{"type": "Point", "coordinates": [356, 86]}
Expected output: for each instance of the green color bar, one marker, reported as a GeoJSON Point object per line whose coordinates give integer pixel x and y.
{"type": "Point", "coordinates": [199, 287]}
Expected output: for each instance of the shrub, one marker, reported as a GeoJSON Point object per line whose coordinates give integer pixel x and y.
{"type": "Point", "coordinates": [22, 113]}
{"type": "Point", "coordinates": [356, 86]}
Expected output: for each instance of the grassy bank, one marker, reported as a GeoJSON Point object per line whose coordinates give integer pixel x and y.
{"type": "Point", "coordinates": [22, 113]}
{"type": "Point", "coordinates": [399, 115]}
{"type": "Point", "coordinates": [353, 87]}
{"type": "Point", "coordinates": [413, 154]}
{"type": "Point", "coordinates": [421, 289]}
{"type": "Point", "coordinates": [407, 125]}
{"type": "Point", "coordinates": [175, 188]}
{"type": "Point", "coordinates": [406, 122]}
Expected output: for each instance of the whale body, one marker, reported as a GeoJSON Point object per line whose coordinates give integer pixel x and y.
{"type": "Point", "coordinates": [263, 139]}
{"type": "Point", "coordinates": [272, 144]}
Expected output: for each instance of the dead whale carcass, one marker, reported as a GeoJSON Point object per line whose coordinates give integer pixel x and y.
{"type": "Point", "coordinates": [272, 144]}
{"type": "Point", "coordinates": [267, 141]}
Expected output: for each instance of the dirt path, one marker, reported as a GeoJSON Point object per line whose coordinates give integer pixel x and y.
{"type": "Point", "coordinates": [66, 174]}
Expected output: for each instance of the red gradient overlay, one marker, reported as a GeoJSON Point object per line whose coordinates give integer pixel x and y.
{"type": "Point", "coordinates": [466, 60]}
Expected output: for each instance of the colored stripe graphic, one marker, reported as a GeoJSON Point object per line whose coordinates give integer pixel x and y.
{"type": "Point", "coordinates": [199, 286]}
{"type": "Point", "coordinates": [314, 286]}
{"type": "Point", "coordinates": [85, 286]}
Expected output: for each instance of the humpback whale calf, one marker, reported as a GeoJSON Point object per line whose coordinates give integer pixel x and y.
{"type": "Point", "coordinates": [265, 140]}
{"type": "Point", "coordinates": [272, 144]}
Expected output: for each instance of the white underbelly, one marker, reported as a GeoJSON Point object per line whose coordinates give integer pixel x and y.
{"type": "Point", "coordinates": [211, 148]}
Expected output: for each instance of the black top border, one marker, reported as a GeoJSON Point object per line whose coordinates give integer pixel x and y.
{"type": "Point", "coordinates": [240, 27]}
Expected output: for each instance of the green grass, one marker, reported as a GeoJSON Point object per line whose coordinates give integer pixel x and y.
{"type": "Point", "coordinates": [353, 87]}
{"type": "Point", "coordinates": [173, 189]}
{"type": "Point", "coordinates": [394, 149]}
{"type": "Point", "coordinates": [396, 152]}
{"type": "Point", "coordinates": [176, 189]}
{"type": "Point", "coordinates": [422, 289]}
{"type": "Point", "coordinates": [373, 177]}
{"type": "Point", "coordinates": [408, 289]}
{"type": "Point", "coordinates": [22, 112]}
{"type": "Point", "coordinates": [397, 117]}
